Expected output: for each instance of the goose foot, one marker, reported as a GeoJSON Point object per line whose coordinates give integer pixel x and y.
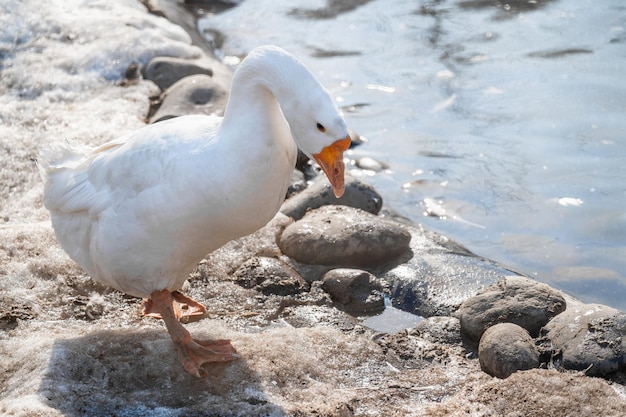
{"type": "Point", "coordinates": [193, 354]}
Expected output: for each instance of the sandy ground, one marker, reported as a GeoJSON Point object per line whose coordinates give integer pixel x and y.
{"type": "Point", "coordinates": [71, 347]}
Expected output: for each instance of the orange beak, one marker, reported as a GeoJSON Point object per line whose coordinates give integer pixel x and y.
{"type": "Point", "coordinates": [331, 161]}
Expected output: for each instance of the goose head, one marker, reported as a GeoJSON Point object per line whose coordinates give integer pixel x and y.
{"type": "Point", "coordinates": [318, 128]}
{"type": "Point", "coordinates": [316, 124]}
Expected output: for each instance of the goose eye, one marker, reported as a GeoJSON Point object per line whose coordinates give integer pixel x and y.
{"type": "Point", "coordinates": [321, 127]}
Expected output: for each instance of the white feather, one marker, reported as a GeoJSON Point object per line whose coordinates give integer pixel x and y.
{"type": "Point", "coordinates": [138, 213]}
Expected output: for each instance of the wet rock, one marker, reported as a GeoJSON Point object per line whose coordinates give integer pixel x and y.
{"type": "Point", "coordinates": [371, 164]}
{"type": "Point", "coordinates": [506, 348]}
{"type": "Point", "coordinates": [588, 337]}
{"type": "Point", "coordinates": [516, 300]}
{"type": "Point", "coordinates": [270, 276]}
{"type": "Point", "coordinates": [196, 94]}
{"type": "Point", "coordinates": [164, 71]}
{"type": "Point", "coordinates": [357, 194]}
{"type": "Point", "coordinates": [356, 291]}
{"type": "Point", "coordinates": [439, 276]}
{"type": "Point", "coordinates": [344, 236]}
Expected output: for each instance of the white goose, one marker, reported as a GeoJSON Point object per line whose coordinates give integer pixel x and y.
{"type": "Point", "coordinates": [138, 213]}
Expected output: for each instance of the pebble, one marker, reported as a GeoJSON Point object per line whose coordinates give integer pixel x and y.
{"type": "Point", "coordinates": [371, 164]}
{"type": "Point", "coordinates": [270, 276]}
{"type": "Point", "coordinates": [588, 337]}
{"type": "Point", "coordinates": [506, 348]}
{"type": "Point", "coordinates": [357, 194]}
{"type": "Point", "coordinates": [356, 291]}
{"type": "Point", "coordinates": [164, 71]}
{"type": "Point", "coordinates": [345, 237]}
{"type": "Point", "coordinates": [196, 94]}
{"type": "Point", "coordinates": [514, 299]}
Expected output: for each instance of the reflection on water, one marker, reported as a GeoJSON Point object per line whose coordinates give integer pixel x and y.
{"type": "Point", "coordinates": [505, 116]}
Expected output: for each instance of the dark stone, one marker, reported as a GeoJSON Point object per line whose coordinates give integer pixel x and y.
{"type": "Point", "coordinates": [506, 348]}
{"type": "Point", "coordinates": [344, 236]}
{"type": "Point", "coordinates": [270, 276]}
{"type": "Point", "coordinates": [357, 194]}
{"type": "Point", "coordinates": [165, 71]}
{"type": "Point", "coordinates": [355, 290]}
{"type": "Point", "coordinates": [515, 299]}
{"type": "Point", "coordinates": [297, 184]}
{"type": "Point", "coordinates": [588, 337]}
{"type": "Point", "coordinates": [196, 94]}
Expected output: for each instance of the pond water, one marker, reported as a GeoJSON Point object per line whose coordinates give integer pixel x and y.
{"type": "Point", "coordinates": [503, 123]}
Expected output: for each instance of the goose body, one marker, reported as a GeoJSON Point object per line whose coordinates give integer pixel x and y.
{"type": "Point", "coordinates": [138, 213]}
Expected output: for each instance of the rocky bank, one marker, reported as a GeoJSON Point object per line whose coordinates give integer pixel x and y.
{"type": "Point", "coordinates": [292, 296]}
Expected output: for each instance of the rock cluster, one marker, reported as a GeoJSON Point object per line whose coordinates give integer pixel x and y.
{"type": "Point", "coordinates": [513, 300]}
{"type": "Point", "coordinates": [518, 324]}
{"type": "Point", "coordinates": [187, 87]}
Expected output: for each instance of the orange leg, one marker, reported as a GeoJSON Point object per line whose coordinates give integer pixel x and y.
{"type": "Point", "coordinates": [193, 354]}
{"type": "Point", "coordinates": [186, 308]}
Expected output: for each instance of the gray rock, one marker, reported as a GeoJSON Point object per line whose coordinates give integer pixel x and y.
{"type": "Point", "coordinates": [440, 275]}
{"type": "Point", "coordinates": [358, 194]}
{"type": "Point", "coordinates": [164, 71]}
{"type": "Point", "coordinates": [355, 290]}
{"type": "Point", "coordinates": [196, 94]}
{"type": "Point", "coordinates": [515, 299]}
{"type": "Point", "coordinates": [344, 236]}
{"type": "Point", "coordinates": [588, 337]}
{"type": "Point", "coordinates": [270, 276]}
{"type": "Point", "coordinates": [506, 348]}
{"type": "Point", "coordinates": [439, 329]}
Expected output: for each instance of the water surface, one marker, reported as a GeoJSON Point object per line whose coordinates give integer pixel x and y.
{"type": "Point", "coordinates": [503, 123]}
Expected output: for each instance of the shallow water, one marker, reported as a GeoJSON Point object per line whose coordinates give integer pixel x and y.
{"type": "Point", "coordinates": [503, 124]}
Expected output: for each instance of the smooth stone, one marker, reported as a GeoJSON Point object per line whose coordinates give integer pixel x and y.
{"type": "Point", "coordinates": [357, 194]}
{"type": "Point", "coordinates": [270, 276]}
{"type": "Point", "coordinates": [371, 164]}
{"type": "Point", "coordinates": [164, 71]}
{"type": "Point", "coordinates": [196, 94]}
{"type": "Point", "coordinates": [515, 299]}
{"type": "Point", "coordinates": [344, 236]}
{"type": "Point", "coordinates": [506, 348]}
{"type": "Point", "coordinates": [355, 290]}
{"type": "Point", "coordinates": [588, 337]}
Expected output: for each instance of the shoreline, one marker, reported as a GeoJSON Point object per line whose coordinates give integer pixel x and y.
{"type": "Point", "coordinates": [74, 347]}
